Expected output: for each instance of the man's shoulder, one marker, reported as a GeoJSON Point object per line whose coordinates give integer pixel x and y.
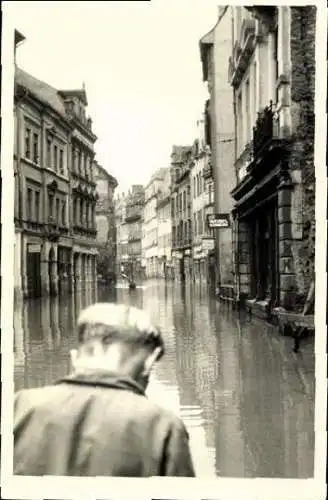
{"type": "Point", "coordinates": [35, 396]}
{"type": "Point", "coordinates": [158, 412]}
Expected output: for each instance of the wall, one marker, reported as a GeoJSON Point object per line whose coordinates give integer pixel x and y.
{"type": "Point", "coordinates": [223, 143]}
{"type": "Point", "coordinates": [302, 54]}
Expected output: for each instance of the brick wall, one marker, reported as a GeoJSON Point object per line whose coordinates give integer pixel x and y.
{"type": "Point", "coordinates": [303, 21]}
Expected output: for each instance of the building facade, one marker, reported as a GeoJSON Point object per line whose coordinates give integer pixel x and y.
{"type": "Point", "coordinates": [151, 225]}
{"type": "Point", "coordinates": [272, 73]}
{"type": "Point", "coordinates": [121, 235]}
{"type": "Point", "coordinates": [133, 231]}
{"type": "Point", "coordinates": [106, 224]}
{"type": "Point", "coordinates": [55, 194]}
{"type": "Point", "coordinates": [164, 223]}
{"type": "Point", "coordinates": [181, 162]}
{"type": "Point", "coordinates": [220, 134]}
{"type": "Point", "coordinates": [202, 202]}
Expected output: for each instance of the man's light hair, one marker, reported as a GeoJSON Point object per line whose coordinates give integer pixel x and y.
{"type": "Point", "coordinates": [118, 322]}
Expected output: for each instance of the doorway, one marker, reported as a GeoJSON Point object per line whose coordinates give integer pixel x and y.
{"type": "Point", "coordinates": [264, 253]}
{"type": "Point", "coordinates": [33, 271]}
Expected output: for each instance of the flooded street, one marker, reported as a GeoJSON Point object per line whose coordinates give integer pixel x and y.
{"type": "Point", "coordinates": [245, 397]}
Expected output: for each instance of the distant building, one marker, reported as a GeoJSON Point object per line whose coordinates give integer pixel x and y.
{"type": "Point", "coordinates": [220, 134]}
{"type": "Point", "coordinates": [181, 160]}
{"type": "Point", "coordinates": [164, 224]}
{"type": "Point", "coordinates": [55, 191]}
{"type": "Point", "coordinates": [122, 256]}
{"type": "Point", "coordinates": [202, 202]}
{"type": "Point", "coordinates": [106, 224]}
{"type": "Point", "coordinates": [151, 225]}
{"type": "Point", "coordinates": [272, 73]}
{"type": "Point", "coordinates": [129, 212]}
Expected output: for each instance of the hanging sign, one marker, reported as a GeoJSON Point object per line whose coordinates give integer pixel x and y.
{"type": "Point", "coordinates": [218, 221]}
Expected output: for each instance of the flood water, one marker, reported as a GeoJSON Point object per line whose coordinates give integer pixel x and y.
{"type": "Point", "coordinates": [247, 400]}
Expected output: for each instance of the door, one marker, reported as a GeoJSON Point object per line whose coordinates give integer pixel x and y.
{"type": "Point", "coordinates": [33, 270]}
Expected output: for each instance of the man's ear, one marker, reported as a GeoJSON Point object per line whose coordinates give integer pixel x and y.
{"type": "Point", "coordinates": [152, 358]}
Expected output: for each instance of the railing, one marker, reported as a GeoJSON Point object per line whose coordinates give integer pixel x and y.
{"type": "Point", "coordinates": [52, 229]}
{"type": "Point", "coordinates": [85, 231]}
{"type": "Point", "coordinates": [208, 170]}
{"type": "Point", "coordinates": [263, 130]}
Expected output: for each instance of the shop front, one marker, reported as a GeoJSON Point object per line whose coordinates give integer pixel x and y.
{"type": "Point", "coordinates": [263, 232]}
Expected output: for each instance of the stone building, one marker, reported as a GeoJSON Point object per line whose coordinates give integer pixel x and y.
{"type": "Point", "coordinates": [272, 73]}
{"type": "Point", "coordinates": [181, 162]}
{"type": "Point", "coordinates": [164, 224]}
{"type": "Point", "coordinates": [105, 221]}
{"type": "Point", "coordinates": [121, 235]}
{"type": "Point", "coordinates": [220, 134]}
{"type": "Point", "coordinates": [133, 222]}
{"type": "Point", "coordinates": [150, 224]}
{"type": "Point", "coordinates": [202, 196]}
{"type": "Point", "coordinates": [55, 192]}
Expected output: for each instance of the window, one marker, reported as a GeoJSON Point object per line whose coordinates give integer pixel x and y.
{"type": "Point", "coordinates": [86, 165]}
{"type": "Point", "coordinates": [240, 123]}
{"type": "Point", "coordinates": [63, 214]}
{"type": "Point", "coordinates": [74, 211]}
{"type": "Point", "coordinates": [195, 225]}
{"type": "Point", "coordinates": [81, 212]}
{"type": "Point", "coordinates": [200, 222]}
{"type": "Point", "coordinates": [276, 59]}
{"type": "Point", "coordinates": [61, 161]}
{"type": "Point", "coordinates": [247, 115]}
{"type": "Point", "coordinates": [88, 214]}
{"type": "Point", "coordinates": [55, 158]}
{"type": "Point", "coordinates": [254, 91]}
{"type": "Point", "coordinates": [51, 205]}
{"type": "Point", "coordinates": [79, 161]}
{"type": "Point", "coordinates": [57, 209]}
{"type": "Point", "coordinates": [36, 148]}
{"type": "Point", "coordinates": [48, 160]}
{"type": "Point", "coordinates": [28, 143]}
{"type": "Point", "coordinates": [29, 204]}
{"type": "Point", "coordinates": [37, 206]}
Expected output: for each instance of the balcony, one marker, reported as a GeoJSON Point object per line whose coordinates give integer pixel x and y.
{"type": "Point", "coordinates": [263, 132]}
{"type": "Point", "coordinates": [182, 173]}
{"type": "Point", "coordinates": [242, 52]}
{"type": "Point", "coordinates": [83, 231]}
{"type": "Point", "coordinates": [208, 170]}
{"type": "Point", "coordinates": [52, 230]}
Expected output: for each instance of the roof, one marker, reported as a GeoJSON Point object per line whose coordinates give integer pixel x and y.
{"type": "Point", "coordinates": [41, 90]}
{"type": "Point", "coordinates": [179, 153]}
{"type": "Point", "coordinates": [110, 177]}
{"type": "Point", "coordinates": [207, 40]}
{"type": "Point", "coordinates": [19, 37]}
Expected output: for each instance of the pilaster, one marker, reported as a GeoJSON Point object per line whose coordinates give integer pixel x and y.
{"type": "Point", "coordinates": [286, 267]}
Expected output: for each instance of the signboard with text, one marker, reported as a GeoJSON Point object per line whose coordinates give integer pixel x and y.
{"type": "Point", "coordinates": [218, 221]}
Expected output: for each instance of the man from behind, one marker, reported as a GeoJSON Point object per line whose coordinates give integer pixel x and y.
{"type": "Point", "coordinates": [98, 421]}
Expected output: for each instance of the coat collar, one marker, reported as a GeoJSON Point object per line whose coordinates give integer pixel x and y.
{"type": "Point", "coordinates": [104, 379]}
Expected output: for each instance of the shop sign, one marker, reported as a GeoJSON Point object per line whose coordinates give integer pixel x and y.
{"type": "Point", "coordinates": [218, 221]}
{"type": "Point", "coordinates": [33, 248]}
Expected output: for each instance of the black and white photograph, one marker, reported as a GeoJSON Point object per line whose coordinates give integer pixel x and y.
{"type": "Point", "coordinates": [164, 248]}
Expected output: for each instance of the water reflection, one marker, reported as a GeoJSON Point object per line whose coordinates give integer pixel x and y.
{"type": "Point", "coordinates": [246, 400]}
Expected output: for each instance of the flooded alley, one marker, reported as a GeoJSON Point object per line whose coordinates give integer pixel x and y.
{"type": "Point", "coordinates": [245, 397]}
